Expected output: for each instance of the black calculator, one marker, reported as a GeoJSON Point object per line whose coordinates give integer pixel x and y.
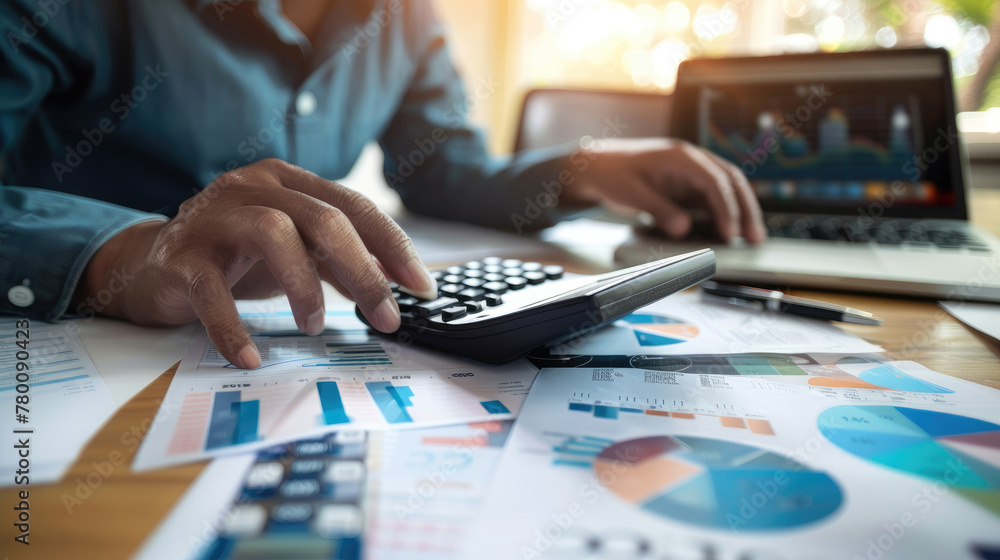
{"type": "Point", "coordinates": [496, 310]}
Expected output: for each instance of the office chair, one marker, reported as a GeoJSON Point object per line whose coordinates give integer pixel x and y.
{"type": "Point", "coordinates": [552, 116]}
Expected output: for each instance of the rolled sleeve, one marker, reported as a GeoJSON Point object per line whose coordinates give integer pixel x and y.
{"type": "Point", "coordinates": [46, 240]}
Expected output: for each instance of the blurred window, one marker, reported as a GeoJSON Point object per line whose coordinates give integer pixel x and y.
{"type": "Point", "coordinates": [639, 44]}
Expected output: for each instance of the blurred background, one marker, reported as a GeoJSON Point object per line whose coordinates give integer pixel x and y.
{"type": "Point", "coordinates": [504, 48]}
{"type": "Point", "coordinates": [638, 44]}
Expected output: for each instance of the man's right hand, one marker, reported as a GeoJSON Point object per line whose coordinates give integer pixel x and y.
{"type": "Point", "coordinates": [266, 228]}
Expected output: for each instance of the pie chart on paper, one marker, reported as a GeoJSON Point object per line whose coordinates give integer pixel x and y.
{"type": "Point", "coordinates": [959, 451]}
{"type": "Point", "coordinates": [657, 330]}
{"type": "Point", "coordinates": [709, 482]}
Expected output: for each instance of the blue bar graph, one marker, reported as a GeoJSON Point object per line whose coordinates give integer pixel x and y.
{"type": "Point", "coordinates": [495, 407]}
{"type": "Point", "coordinates": [391, 401]}
{"type": "Point", "coordinates": [609, 412]}
{"type": "Point", "coordinates": [232, 421]}
{"type": "Point", "coordinates": [247, 414]}
{"type": "Point", "coordinates": [331, 403]}
{"type": "Point", "coordinates": [581, 407]}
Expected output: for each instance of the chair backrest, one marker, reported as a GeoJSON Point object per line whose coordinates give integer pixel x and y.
{"type": "Point", "coordinates": [550, 117]}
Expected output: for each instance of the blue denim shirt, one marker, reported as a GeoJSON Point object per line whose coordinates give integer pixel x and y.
{"type": "Point", "coordinates": [113, 112]}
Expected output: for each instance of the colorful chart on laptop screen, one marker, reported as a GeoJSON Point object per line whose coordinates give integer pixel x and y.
{"type": "Point", "coordinates": [716, 484]}
{"type": "Point", "coordinates": [959, 451]}
{"type": "Point", "coordinates": [658, 330]}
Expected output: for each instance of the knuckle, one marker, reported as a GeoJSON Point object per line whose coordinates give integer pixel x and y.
{"type": "Point", "coordinates": [200, 285]}
{"type": "Point", "coordinates": [333, 221]}
{"type": "Point", "coordinates": [273, 222]}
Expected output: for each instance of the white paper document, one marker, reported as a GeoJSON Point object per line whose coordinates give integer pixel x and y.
{"type": "Point", "coordinates": [683, 324]}
{"type": "Point", "coordinates": [424, 491]}
{"type": "Point", "coordinates": [56, 405]}
{"type": "Point", "coordinates": [623, 463]}
{"type": "Point", "coordinates": [345, 378]}
{"type": "Point", "coordinates": [984, 317]}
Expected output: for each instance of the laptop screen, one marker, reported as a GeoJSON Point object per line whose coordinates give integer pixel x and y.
{"type": "Point", "coordinates": [870, 133]}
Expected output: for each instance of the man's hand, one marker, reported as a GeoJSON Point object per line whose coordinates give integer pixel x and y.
{"type": "Point", "coordinates": [663, 177]}
{"type": "Point", "coordinates": [266, 228]}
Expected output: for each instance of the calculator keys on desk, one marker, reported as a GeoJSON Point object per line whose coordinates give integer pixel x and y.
{"type": "Point", "coordinates": [496, 310]}
{"type": "Point", "coordinates": [299, 500]}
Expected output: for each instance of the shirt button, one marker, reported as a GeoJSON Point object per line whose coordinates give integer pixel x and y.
{"type": "Point", "coordinates": [305, 103]}
{"type": "Point", "coordinates": [21, 296]}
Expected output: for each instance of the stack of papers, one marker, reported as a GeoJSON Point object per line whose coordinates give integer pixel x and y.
{"type": "Point", "coordinates": [687, 429]}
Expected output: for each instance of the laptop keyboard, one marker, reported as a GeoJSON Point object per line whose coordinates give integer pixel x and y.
{"type": "Point", "coordinates": [906, 234]}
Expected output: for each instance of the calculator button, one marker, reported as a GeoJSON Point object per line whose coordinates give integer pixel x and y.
{"type": "Point", "coordinates": [405, 303]}
{"type": "Point", "coordinates": [493, 300]}
{"type": "Point", "coordinates": [292, 513]}
{"type": "Point", "coordinates": [474, 273]}
{"type": "Point", "coordinates": [512, 272]}
{"type": "Point", "coordinates": [338, 521]}
{"type": "Point", "coordinates": [453, 279]}
{"type": "Point", "coordinates": [510, 263]}
{"type": "Point", "coordinates": [299, 488]}
{"type": "Point", "coordinates": [470, 294]}
{"type": "Point", "coordinates": [340, 472]}
{"type": "Point", "coordinates": [493, 268]}
{"type": "Point", "coordinates": [495, 287]}
{"type": "Point", "coordinates": [428, 308]}
{"type": "Point", "coordinates": [494, 277]}
{"type": "Point", "coordinates": [531, 266]}
{"type": "Point", "coordinates": [473, 282]}
{"type": "Point", "coordinates": [265, 475]}
{"type": "Point", "coordinates": [245, 522]}
{"type": "Point", "coordinates": [516, 283]}
{"type": "Point", "coordinates": [492, 261]}
{"type": "Point", "coordinates": [473, 265]}
{"type": "Point", "coordinates": [455, 270]}
{"type": "Point", "coordinates": [473, 306]}
{"type": "Point", "coordinates": [304, 467]}
{"type": "Point", "coordinates": [437, 274]}
{"type": "Point", "coordinates": [393, 286]}
{"type": "Point", "coordinates": [455, 312]}
{"type": "Point", "coordinates": [451, 289]}
{"type": "Point", "coordinates": [553, 272]}
{"type": "Point", "coordinates": [535, 277]}
{"type": "Point", "coordinates": [311, 448]}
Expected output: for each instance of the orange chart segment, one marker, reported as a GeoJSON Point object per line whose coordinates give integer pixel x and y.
{"type": "Point", "coordinates": [678, 330]}
{"type": "Point", "coordinates": [842, 383]}
{"type": "Point", "coordinates": [638, 482]}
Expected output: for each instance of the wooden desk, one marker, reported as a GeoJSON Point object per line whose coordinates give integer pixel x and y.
{"type": "Point", "coordinates": [111, 520]}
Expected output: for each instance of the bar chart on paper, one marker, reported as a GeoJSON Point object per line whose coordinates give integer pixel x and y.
{"type": "Point", "coordinates": [309, 386]}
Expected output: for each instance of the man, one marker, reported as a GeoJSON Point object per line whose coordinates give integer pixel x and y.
{"type": "Point", "coordinates": [170, 155]}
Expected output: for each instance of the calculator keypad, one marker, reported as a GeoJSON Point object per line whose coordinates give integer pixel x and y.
{"type": "Point", "coordinates": [475, 286]}
{"type": "Point", "coordinates": [304, 496]}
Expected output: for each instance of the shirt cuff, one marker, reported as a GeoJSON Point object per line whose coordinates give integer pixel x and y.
{"type": "Point", "coordinates": [46, 241]}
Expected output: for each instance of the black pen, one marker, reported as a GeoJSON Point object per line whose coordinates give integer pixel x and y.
{"type": "Point", "coordinates": [773, 300]}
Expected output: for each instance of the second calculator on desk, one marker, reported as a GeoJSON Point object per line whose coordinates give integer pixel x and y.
{"type": "Point", "coordinates": [496, 310]}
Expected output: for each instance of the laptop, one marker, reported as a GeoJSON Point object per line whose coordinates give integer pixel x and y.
{"type": "Point", "coordinates": [858, 165]}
